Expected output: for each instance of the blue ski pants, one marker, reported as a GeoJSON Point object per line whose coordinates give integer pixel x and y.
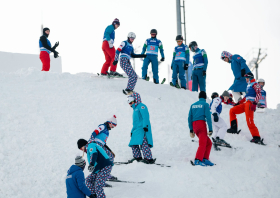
{"type": "Point", "coordinates": [154, 60]}
{"type": "Point", "coordinates": [178, 67]}
{"type": "Point", "coordinates": [198, 79]}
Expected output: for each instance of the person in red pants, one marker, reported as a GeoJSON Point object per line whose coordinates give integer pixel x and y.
{"type": "Point", "coordinates": [46, 48]}
{"type": "Point", "coordinates": [199, 112]}
{"type": "Point", "coordinates": [248, 105]}
{"type": "Point", "coordinates": [109, 49]}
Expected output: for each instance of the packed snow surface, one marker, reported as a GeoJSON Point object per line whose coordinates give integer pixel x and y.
{"type": "Point", "coordinates": [43, 114]}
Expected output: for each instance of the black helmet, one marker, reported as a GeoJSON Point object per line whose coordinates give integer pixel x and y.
{"type": "Point", "coordinates": [179, 38]}
{"type": "Point", "coordinates": [214, 95]}
{"type": "Point", "coordinates": [192, 45]}
{"type": "Point", "coordinates": [153, 31]}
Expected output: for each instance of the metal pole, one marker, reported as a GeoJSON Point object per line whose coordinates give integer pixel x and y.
{"type": "Point", "coordinates": [257, 65]}
{"type": "Point", "coordinates": [185, 34]}
{"type": "Point", "coordinates": [178, 11]}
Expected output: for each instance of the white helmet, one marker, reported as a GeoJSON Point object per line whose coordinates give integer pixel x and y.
{"type": "Point", "coordinates": [131, 35]}
{"type": "Point", "coordinates": [261, 80]}
{"type": "Point", "coordinates": [130, 99]}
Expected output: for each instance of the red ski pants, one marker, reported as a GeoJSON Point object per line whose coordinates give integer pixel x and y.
{"type": "Point", "coordinates": [46, 61]}
{"type": "Point", "coordinates": [245, 107]}
{"type": "Point", "coordinates": [109, 56]}
{"type": "Point", "coordinates": [205, 144]}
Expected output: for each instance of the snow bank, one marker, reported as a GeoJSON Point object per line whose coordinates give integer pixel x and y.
{"type": "Point", "coordinates": [42, 115]}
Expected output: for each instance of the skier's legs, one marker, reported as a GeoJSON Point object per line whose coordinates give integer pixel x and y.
{"type": "Point", "coordinates": [174, 73]}
{"type": "Point", "coordinates": [146, 63]}
{"type": "Point", "coordinates": [208, 148]}
{"type": "Point", "coordinates": [182, 74]}
{"type": "Point", "coordinates": [46, 61]}
{"type": "Point", "coordinates": [136, 151]}
{"type": "Point", "coordinates": [199, 128]}
{"type": "Point", "coordinates": [147, 153]}
{"type": "Point", "coordinates": [236, 110]}
{"type": "Point", "coordinates": [222, 128]}
{"type": "Point", "coordinates": [106, 65]}
{"type": "Point", "coordinates": [250, 120]}
{"type": "Point", "coordinates": [154, 60]}
{"type": "Point", "coordinates": [112, 53]}
{"type": "Point", "coordinates": [194, 80]}
{"type": "Point", "coordinates": [127, 67]}
{"type": "Point", "coordinates": [90, 180]}
{"type": "Point", "coordinates": [215, 128]}
{"type": "Point", "coordinates": [101, 178]}
{"type": "Point", "coordinates": [201, 80]}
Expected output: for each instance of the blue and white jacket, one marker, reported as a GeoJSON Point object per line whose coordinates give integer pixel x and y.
{"type": "Point", "coordinates": [45, 44]}
{"type": "Point", "coordinates": [200, 59]}
{"type": "Point", "coordinates": [152, 45]}
{"type": "Point", "coordinates": [181, 53]}
{"type": "Point", "coordinates": [100, 134]}
{"type": "Point", "coordinates": [262, 100]}
{"type": "Point", "coordinates": [126, 49]}
{"type": "Point", "coordinates": [216, 105]}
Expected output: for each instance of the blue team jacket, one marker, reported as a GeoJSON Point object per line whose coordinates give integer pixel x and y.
{"type": "Point", "coordinates": [200, 110]}
{"type": "Point", "coordinates": [152, 45]}
{"type": "Point", "coordinates": [109, 33]}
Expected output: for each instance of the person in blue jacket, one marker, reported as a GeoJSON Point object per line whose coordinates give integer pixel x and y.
{"type": "Point", "coordinates": [152, 45]}
{"type": "Point", "coordinates": [141, 133]}
{"type": "Point", "coordinates": [100, 166]}
{"type": "Point", "coordinates": [180, 62]}
{"type": "Point", "coordinates": [200, 63]}
{"type": "Point", "coordinates": [199, 112]}
{"type": "Point", "coordinates": [75, 180]}
{"type": "Point", "coordinates": [239, 69]}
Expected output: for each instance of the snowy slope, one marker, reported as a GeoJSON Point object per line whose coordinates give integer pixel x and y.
{"type": "Point", "coordinates": [42, 115]}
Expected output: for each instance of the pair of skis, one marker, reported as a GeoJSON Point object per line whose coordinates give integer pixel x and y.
{"type": "Point", "coordinates": [131, 161]}
{"type": "Point", "coordinates": [162, 82]}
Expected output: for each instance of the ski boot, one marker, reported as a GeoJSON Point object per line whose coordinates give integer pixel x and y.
{"type": "Point", "coordinates": [198, 162]}
{"type": "Point", "coordinates": [93, 196]}
{"type": "Point", "coordinates": [148, 161]}
{"type": "Point", "coordinates": [101, 74]}
{"type": "Point", "coordinates": [257, 140]}
{"type": "Point", "coordinates": [207, 162]}
{"type": "Point", "coordinates": [177, 85]}
{"type": "Point", "coordinates": [127, 91]}
{"type": "Point", "coordinates": [233, 128]}
{"type": "Point", "coordinates": [156, 81]}
{"type": "Point", "coordinates": [137, 159]}
{"type": "Point", "coordinates": [221, 142]}
{"type": "Point", "coordinates": [215, 144]}
{"type": "Point", "coordinates": [115, 74]}
{"type": "Point", "coordinates": [112, 178]}
{"type": "Point", "coordinates": [108, 186]}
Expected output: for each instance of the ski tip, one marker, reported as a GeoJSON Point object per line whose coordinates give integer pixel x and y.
{"type": "Point", "coordinates": [239, 131]}
{"type": "Point", "coordinates": [192, 163]}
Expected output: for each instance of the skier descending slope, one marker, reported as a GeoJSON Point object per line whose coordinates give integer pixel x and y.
{"type": "Point", "coordinates": [248, 105]}
{"type": "Point", "coordinates": [152, 45]}
{"type": "Point", "coordinates": [109, 49]}
{"type": "Point", "coordinates": [141, 133]}
{"type": "Point", "coordinates": [200, 111]}
{"type": "Point", "coordinates": [75, 180]}
{"type": "Point", "coordinates": [181, 57]}
{"type": "Point", "coordinates": [239, 69]}
{"type": "Point", "coordinates": [262, 102]}
{"type": "Point", "coordinates": [127, 51]}
{"type": "Point", "coordinates": [219, 125]}
{"type": "Point", "coordinates": [46, 48]}
{"type": "Point", "coordinates": [100, 136]}
{"type": "Point", "coordinates": [100, 166]}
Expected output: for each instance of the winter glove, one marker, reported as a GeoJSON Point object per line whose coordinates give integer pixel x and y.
{"type": "Point", "coordinates": [192, 134]}
{"type": "Point", "coordinates": [56, 54]}
{"type": "Point", "coordinates": [204, 73]}
{"type": "Point", "coordinates": [162, 59]}
{"type": "Point", "coordinates": [92, 196]}
{"type": "Point", "coordinates": [56, 45]}
{"type": "Point", "coordinates": [171, 67]}
{"type": "Point", "coordinates": [253, 106]}
{"type": "Point", "coordinates": [259, 104]}
{"type": "Point", "coordinates": [186, 67]}
{"type": "Point", "coordinates": [243, 72]}
{"type": "Point", "coordinates": [216, 117]}
{"type": "Point", "coordinates": [115, 62]}
{"type": "Point", "coordinates": [111, 43]}
{"type": "Point", "coordinates": [210, 133]}
{"type": "Point", "coordinates": [146, 129]}
{"type": "Point", "coordinates": [91, 168]}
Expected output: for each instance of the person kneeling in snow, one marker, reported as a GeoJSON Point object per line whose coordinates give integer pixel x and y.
{"type": "Point", "coordinates": [100, 166]}
{"type": "Point", "coordinates": [75, 180]}
{"type": "Point", "coordinates": [219, 125]}
{"type": "Point", "coordinates": [141, 133]}
{"type": "Point", "coordinates": [200, 111]}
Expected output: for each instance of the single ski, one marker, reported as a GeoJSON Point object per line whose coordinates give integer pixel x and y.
{"type": "Point", "coordinates": [163, 81]}
{"type": "Point", "coordinates": [133, 182]}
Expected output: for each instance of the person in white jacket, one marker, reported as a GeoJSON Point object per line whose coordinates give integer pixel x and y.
{"type": "Point", "coordinates": [219, 125]}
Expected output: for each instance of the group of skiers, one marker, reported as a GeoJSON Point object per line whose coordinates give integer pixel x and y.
{"type": "Point", "coordinates": [247, 93]}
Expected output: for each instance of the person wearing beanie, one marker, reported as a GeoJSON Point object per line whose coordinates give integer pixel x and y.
{"type": "Point", "coordinates": [248, 105]}
{"type": "Point", "coordinates": [100, 166]}
{"type": "Point", "coordinates": [75, 180]}
{"type": "Point", "coordinates": [141, 133]}
{"type": "Point", "coordinates": [226, 98]}
{"type": "Point", "coordinates": [152, 45]}
{"type": "Point", "coordinates": [127, 52]}
{"type": "Point", "coordinates": [45, 49]}
{"type": "Point", "coordinates": [109, 49]}
{"type": "Point", "coordinates": [219, 125]}
{"type": "Point", "coordinates": [198, 113]}
{"type": "Point", "coordinates": [180, 62]}
{"type": "Point", "coordinates": [200, 63]}
{"type": "Point", "coordinates": [239, 69]}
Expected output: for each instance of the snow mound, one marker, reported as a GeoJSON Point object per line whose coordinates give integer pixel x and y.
{"type": "Point", "coordinates": [43, 114]}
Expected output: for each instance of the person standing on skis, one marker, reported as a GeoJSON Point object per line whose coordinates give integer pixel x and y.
{"type": "Point", "coordinates": [239, 69]}
{"type": "Point", "coordinates": [126, 50]}
{"type": "Point", "coordinates": [109, 49]}
{"type": "Point", "coordinates": [200, 63]}
{"type": "Point", "coordinates": [262, 102]}
{"type": "Point", "coordinates": [152, 45]}
{"type": "Point", "coordinates": [199, 112]}
{"type": "Point", "coordinates": [45, 49]}
{"type": "Point", "coordinates": [248, 105]}
{"type": "Point", "coordinates": [141, 133]}
{"type": "Point", "coordinates": [219, 125]}
{"type": "Point", "coordinates": [180, 62]}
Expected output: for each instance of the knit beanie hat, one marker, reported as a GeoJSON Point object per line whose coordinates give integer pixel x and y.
{"type": "Point", "coordinates": [116, 21]}
{"type": "Point", "coordinates": [81, 143]}
{"type": "Point", "coordinates": [202, 94]}
{"type": "Point", "coordinates": [226, 93]}
{"type": "Point", "coordinates": [113, 120]}
{"type": "Point", "coordinates": [79, 161]}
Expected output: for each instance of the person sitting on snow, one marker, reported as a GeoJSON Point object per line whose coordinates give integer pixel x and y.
{"type": "Point", "coordinates": [262, 102]}
{"type": "Point", "coordinates": [226, 98]}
